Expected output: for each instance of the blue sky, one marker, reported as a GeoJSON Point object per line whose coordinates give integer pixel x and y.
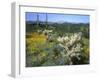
{"type": "Point", "coordinates": [73, 18]}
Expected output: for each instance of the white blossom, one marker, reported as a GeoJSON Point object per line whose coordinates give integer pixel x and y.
{"type": "Point", "coordinates": [60, 39]}
{"type": "Point", "coordinates": [67, 43]}
{"type": "Point", "coordinates": [47, 31]}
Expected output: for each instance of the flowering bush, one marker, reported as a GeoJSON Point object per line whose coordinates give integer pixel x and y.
{"type": "Point", "coordinates": [73, 47]}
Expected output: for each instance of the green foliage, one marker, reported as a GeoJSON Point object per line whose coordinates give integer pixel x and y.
{"type": "Point", "coordinates": [44, 50]}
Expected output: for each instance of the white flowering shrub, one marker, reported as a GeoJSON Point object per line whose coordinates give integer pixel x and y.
{"type": "Point", "coordinates": [47, 31]}
{"type": "Point", "coordinates": [73, 48]}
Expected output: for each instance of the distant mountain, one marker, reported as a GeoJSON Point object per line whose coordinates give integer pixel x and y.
{"type": "Point", "coordinates": [61, 22]}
